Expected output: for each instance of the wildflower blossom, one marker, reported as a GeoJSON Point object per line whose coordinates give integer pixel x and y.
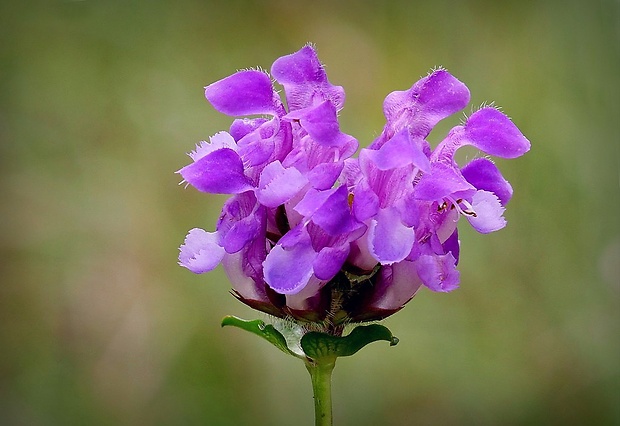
{"type": "Point", "coordinates": [311, 232]}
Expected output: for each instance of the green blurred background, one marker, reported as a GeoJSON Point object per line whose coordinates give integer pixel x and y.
{"type": "Point", "coordinates": [101, 99]}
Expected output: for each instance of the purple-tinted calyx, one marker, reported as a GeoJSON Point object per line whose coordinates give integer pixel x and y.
{"type": "Point", "coordinates": [311, 232]}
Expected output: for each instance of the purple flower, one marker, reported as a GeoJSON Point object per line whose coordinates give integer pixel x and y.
{"type": "Point", "coordinates": [310, 232]}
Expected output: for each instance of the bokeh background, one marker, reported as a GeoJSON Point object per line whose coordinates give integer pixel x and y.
{"type": "Point", "coordinates": [101, 99]}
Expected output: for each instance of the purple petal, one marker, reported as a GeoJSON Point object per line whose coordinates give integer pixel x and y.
{"type": "Point", "coordinates": [389, 240]}
{"type": "Point", "coordinates": [365, 202]}
{"type": "Point", "coordinates": [438, 272]}
{"type": "Point", "coordinates": [329, 261]}
{"type": "Point", "coordinates": [399, 151]}
{"type": "Point", "coordinates": [241, 221]}
{"type": "Point", "coordinates": [492, 132]}
{"type": "Point", "coordinates": [321, 123]}
{"type": "Point", "coordinates": [241, 233]}
{"type": "Point", "coordinates": [288, 266]}
{"type": "Point", "coordinates": [324, 175]}
{"type": "Point", "coordinates": [200, 252]}
{"type": "Point", "coordinates": [243, 126]}
{"type": "Point", "coordinates": [305, 81]}
{"type": "Point", "coordinates": [453, 245]}
{"type": "Point", "coordinates": [243, 93]}
{"type": "Point", "coordinates": [220, 172]}
{"type": "Point", "coordinates": [427, 102]}
{"type": "Point", "coordinates": [278, 185]}
{"type": "Point", "coordinates": [442, 181]}
{"type": "Point", "coordinates": [330, 210]}
{"type": "Point", "coordinates": [489, 213]}
{"type": "Point", "coordinates": [484, 175]}
{"type": "Point", "coordinates": [258, 146]}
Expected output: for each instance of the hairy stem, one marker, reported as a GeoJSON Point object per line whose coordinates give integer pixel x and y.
{"type": "Point", "coordinates": [321, 375]}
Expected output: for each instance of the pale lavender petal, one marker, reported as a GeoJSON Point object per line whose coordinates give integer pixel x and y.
{"type": "Point", "coordinates": [484, 175]}
{"type": "Point", "coordinates": [438, 272]}
{"type": "Point", "coordinates": [243, 93]}
{"type": "Point", "coordinates": [351, 173]}
{"type": "Point", "coordinates": [305, 81]}
{"type": "Point", "coordinates": [360, 255]}
{"type": "Point", "coordinates": [489, 213]}
{"type": "Point", "coordinates": [278, 185]}
{"type": "Point", "coordinates": [220, 172]}
{"type": "Point", "coordinates": [389, 240]}
{"type": "Point", "coordinates": [329, 261]}
{"type": "Point", "coordinates": [308, 298]}
{"type": "Point", "coordinates": [395, 286]}
{"type": "Point", "coordinates": [491, 131]}
{"type": "Point", "coordinates": [200, 252]}
{"type": "Point", "coordinates": [288, 266]}
{"type": "Point", "coordinates": [235, 266]}
{"type": "Point", "coordinates": [217, 141]}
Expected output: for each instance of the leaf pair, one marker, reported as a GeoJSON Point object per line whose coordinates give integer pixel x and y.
{"type": "Point", "coordinates": [316, 346]}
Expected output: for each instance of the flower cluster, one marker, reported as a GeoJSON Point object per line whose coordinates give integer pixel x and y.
{"type": "Point", "coordinates": [314, 234]}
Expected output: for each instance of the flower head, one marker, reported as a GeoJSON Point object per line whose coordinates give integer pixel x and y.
{"type": "Point", "coordinates": [311, 232]}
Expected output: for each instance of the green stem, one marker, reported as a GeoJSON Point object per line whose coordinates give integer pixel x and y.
{"type": "Point", "coordinates": [321, 375]}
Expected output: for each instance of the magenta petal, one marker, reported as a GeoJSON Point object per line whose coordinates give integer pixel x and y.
{"type": "Point", "coordinates": [389, 240]}
{"type": "Point", "coordinates": [492, 132]}
{"type": "Point", "coordinates": [438, 272]}
{"type": "Point", "coordinates": [305, 81]}
{"type": "Point", "coordinates": [200, 252]}
{"type": "Point", "coordinates": [485, 175]}
{"type": "Point", "coordinates": [278, 185]}
{"type": "Point", "coordinates": [220, 172]}
{"type": "Point", "coordinates": [489, 213]}
{"type": "Point", "coordinates": [288, 267]}
{"type": "Point", "coordinates": [243, 93]}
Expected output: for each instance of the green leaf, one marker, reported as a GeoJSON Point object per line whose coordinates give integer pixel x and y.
{"type": "Point", "coordinates": [260, 328]}
{"type": "Point", "coordinates": [324, 346]}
